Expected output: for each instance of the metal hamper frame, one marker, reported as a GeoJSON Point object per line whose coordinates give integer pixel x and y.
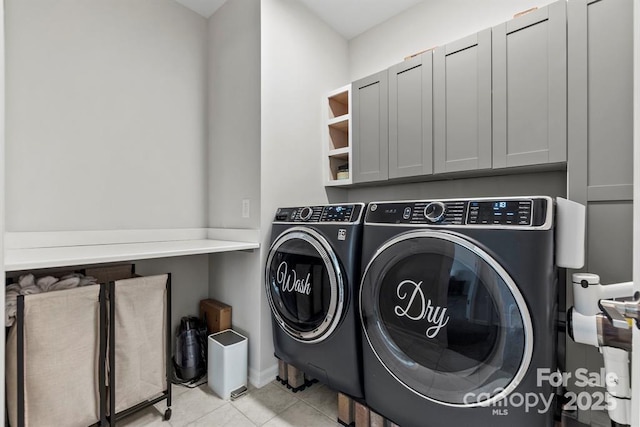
{"type": "Point", "coordinates": [114, 418]}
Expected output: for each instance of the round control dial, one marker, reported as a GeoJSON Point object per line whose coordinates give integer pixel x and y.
{"type": "Point", "coordinates": [305, 213]}
{"type": "Point", "coordinates": [435, 211]}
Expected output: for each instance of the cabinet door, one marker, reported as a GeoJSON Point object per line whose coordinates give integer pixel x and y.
{"type": "Point", "coordinates": [462, 104]}
{"type": "Point", "coordinates": [601, 98]}
{"type": "Point", "coordinates": [600, 145]}
{"type": "Point", "coordinates": [410, 117]}
{"type": "Point", "coordinates": [370, 128]}
{"type": "Point", "coordinates": [530, 88]}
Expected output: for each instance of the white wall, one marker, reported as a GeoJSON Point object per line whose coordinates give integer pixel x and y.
{"type": "Point", "coordinates": [235, 278]}
{"type": "Point", "coordinates": [234, 114]}
{"type": "Point", "coordinates": [2, 199]}
{"type": "Point", "coordinates": [426, 25]}
{"type": "Point", "coordinates": [106, 125]}
{"type": "Point", "coordinates": [234, 163]}
{"type": "Point", "coordinates": [302, 60]}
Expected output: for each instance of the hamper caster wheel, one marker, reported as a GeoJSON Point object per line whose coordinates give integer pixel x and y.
{"type": "Point", "coordinates": [167, 414]}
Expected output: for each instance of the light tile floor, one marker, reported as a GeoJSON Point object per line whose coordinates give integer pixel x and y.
{"type": "Point", "coordinates": [270, 406]}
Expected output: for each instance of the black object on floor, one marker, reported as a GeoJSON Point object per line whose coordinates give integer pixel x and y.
{"type": "Point", "coordinates": [190, 355]}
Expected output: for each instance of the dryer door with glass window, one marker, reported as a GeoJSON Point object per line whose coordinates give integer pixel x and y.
{"type": "Point", "coordinates": [445, 319]}
{"type": "Point", "coordinates": [304, 284]}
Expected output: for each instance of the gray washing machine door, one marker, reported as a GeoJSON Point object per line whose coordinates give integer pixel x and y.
{"type": "Point", "coordinates": [445, 319]}
{"type": "Point", "coordinates": [304, 285]}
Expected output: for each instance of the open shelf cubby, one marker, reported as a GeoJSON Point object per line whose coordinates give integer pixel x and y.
{"type": "Point", "coordinates": [337, 139]}
{"type": "Point", "coordinates": [338, 135]}
{"type": "Point", "coordinates": [339, 104]}
{"type": "Point", "coordinates": [334, 163]}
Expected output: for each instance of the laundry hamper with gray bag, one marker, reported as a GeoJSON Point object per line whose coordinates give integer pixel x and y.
{"type": "Point", "coordinates": [139, 344]}
{"type": "Point", "coordinates": [53, 356]}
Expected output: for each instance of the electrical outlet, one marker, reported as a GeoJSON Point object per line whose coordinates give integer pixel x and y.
{"type": "Point", "coordinates": [245, 208]}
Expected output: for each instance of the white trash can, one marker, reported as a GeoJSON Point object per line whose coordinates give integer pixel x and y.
{"type": "Point", "coordinates": [227, 363]}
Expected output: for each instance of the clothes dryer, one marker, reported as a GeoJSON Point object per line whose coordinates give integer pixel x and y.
{"type": "Point", "coordinates": [312, 279]}
{"type": "Point", "coordinates": [458, 305]}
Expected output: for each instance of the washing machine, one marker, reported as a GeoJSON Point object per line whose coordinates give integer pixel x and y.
{"type": "Point", "coordinates": [312, 278]}
{"type": "Point", "coordinates": [458, 305]}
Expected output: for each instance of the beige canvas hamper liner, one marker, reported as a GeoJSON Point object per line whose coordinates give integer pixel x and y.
{"type": "Point", "coordinates": [140, 337]}
{"type": "Point", "coordinates": [61, 354]}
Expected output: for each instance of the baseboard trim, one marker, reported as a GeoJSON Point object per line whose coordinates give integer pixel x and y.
{"type": "Point", "coordinates": [264, 377]}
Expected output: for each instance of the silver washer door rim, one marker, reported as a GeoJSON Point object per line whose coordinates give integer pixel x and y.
{"type": "Point", "coordinates": [336, 283]}
{"type": "Point", "coordinates": [502, 273]}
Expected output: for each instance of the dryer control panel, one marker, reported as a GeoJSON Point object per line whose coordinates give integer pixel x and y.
{"type": "Point", "coordinates": [483, 212]}
{"type": "Point", "coordinates": [501, 212]}
{"type": "Point", "coordinates": [323, 213]}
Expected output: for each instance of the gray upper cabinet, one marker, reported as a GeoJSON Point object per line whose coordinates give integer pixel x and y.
{"type": "Point", "coordinates": [370, 110]}
{"type": "Point", "coordinates": [410, 117]}
{"type": "Point", "coordinates": [462, 104]}
{"type": "Point", "coordinates": [601, 99]}
{"type": "Point", "coordinates": [530, 88]}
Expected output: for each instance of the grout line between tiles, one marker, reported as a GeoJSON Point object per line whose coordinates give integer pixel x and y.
{"type": "Point", "coordinates": [207, 414]}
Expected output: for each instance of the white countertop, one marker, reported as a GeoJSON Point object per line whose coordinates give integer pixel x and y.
{"type": "Point", "coordinates": [25, 258]}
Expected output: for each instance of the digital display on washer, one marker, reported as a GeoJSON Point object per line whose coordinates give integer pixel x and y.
{"type": "Point", "coordinates": [336, 213]}
{"type": "Point", "coordinates": [500, 212]}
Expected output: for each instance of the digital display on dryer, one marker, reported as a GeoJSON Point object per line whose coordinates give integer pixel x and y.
{"type": "Point", "coordinates": [499, 212]}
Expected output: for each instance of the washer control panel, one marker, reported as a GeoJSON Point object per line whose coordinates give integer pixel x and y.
{"type": "Point", "coordinates": [326, 213]}
{"type": "Point", "coordinates": [435, 212]}
{"type": "Point", "coordinates": [489, 212]}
